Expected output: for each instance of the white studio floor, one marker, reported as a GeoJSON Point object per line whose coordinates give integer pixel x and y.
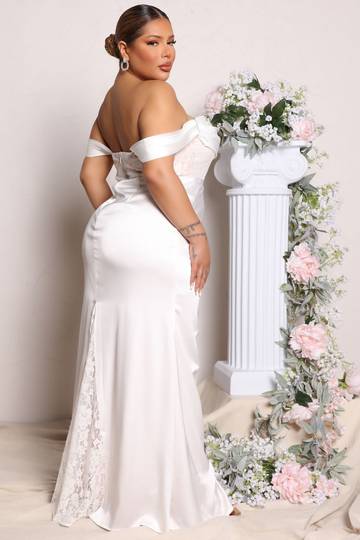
{"type": "Point", "coordinates": [30, 455]}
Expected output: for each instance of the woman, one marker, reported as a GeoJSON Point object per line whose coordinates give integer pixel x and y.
{"type": "Point", "coordinates": [134, 453]}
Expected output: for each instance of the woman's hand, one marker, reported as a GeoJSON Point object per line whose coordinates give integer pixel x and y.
{"type": "Point", "coordinates": [200, 262]}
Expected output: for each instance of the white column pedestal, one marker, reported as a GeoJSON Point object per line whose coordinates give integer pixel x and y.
{"type": "Point", "coordinates": [258, 233]}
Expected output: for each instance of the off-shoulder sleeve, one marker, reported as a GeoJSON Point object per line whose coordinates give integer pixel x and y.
{"type": "Point", "coordinates": [97, 148]}
{"type": "Point", "coordinates": [165, 144]}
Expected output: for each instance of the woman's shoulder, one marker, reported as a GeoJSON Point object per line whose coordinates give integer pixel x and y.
{"type": "Point", "coordinates": [154, 88]}
{"type": "Point", "coordinates": [160, 110]}
{"type": "Point", "coordinates": [159, 98]}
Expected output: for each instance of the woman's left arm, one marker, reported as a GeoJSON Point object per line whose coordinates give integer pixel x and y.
{"type": "Point", "coordinates": [94, 171]}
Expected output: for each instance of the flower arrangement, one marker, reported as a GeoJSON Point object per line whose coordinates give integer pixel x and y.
{"type": "Point", "coordinates": [260, 116]}
{"type": "Point", "coordinates": [316, 380]}
{"type": "Point", "coordinates": [254, 470]}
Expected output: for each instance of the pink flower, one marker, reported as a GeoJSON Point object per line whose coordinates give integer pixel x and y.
{"type": "Point", "coordinates": [297, 414]}
{"type": "Point", "coordinates": [214, 102]}
{"type": "Point", "coordinates": [334, 375]}
{"type": "Point", "coordinates": [330, 438]}
{"type": "Point", "coordinates": [271, 97]}
{"type": "Point", "coordinates": [338, 396]}
{"type": "Point", "coordinates": [327, 444]}
{"type": "Point", "coordinates": [293, 482]}
{"type": "Point", "coordinates": [313, 405]}
{"type": "Point", "coordinates": [309, 339]}
{"type": "Point", "coordinates": [333, 382]}
{"type": "Point", "coordinates": [327, 417]}
{"type": "Point", "coordinates": [258, 100]}
{"type": "Point", "coordinates": [302, 128]}
{"type": "Point", "coordinates": [301, 264]}
{"type": "Point", "coordinates": [327, 486]}
{"type": "Point", "coordinates": [352, 379]}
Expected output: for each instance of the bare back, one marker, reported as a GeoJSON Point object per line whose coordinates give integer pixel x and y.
{"type": "Point", "coordinates": [118, 116]}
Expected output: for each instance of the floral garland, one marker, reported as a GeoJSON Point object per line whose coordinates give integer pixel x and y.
{"type": "Point", "coordinates": [316, 380]}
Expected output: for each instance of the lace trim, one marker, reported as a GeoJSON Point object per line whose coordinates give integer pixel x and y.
{"type": "Point", "coordinates": [80, 484]}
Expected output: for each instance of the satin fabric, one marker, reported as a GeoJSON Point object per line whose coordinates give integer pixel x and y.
{"type": "Point", "coordinates": [134, 454]}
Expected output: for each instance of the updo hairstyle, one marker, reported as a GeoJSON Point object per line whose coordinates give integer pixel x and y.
{"type": "Point", "coordinates": [129, 25]}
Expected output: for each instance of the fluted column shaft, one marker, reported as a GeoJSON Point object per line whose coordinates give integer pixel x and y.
{"type": "Point", "coordinates": [258, 236]}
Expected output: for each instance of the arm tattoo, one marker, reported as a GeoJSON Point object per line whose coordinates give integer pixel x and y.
{"type": "Point", "coordinates": [190, 226]}
{"type": "Point", "coordinates": [196, 234]}
{"type": "Point", "coordinates": [193, 253]}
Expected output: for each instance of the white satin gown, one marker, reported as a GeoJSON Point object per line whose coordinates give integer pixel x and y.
{"type": "Point", "coordinates": [134, 453]}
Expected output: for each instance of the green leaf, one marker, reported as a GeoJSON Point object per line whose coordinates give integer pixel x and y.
{"type": "Point", "coordinates": [218, 454]}
{"type": "Point", "coordinates": [216, 119]}
{"type": "Point", "coordinates": [305, 180]}
{"type": "Point", "coordinates": [285, 287]}
{"type": "Point", "coordinates": [279, 397]}
{"type": "Point", "coordinates": [278, 108]}
{"type": "Point", "coordinates": [307, 428]}
{"type": "Point", "coordinates": [254, 84]}
{"type": "Point", "coordinates": [267, 109]}
{"type": "Point", "coordinates": [302, 398]}
{"type": "Point", "coordinates": [295, 449]}
{"type": "Point", "coordinates": [268, 393]}
{"type": "Point", "coordinates": [281, 381]}
{"type": "Point", "coordinates": [213, 431]}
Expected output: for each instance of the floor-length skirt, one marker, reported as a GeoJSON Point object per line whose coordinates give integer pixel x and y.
{"type": "Point", "coordinates": [134, 454]}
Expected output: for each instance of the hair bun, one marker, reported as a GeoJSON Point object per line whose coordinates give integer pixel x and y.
{"type": "Point", "coordinates": [111, 46]}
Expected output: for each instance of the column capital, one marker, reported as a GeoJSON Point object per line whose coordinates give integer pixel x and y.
{"type": "Point", "coordinates": [269, 171]}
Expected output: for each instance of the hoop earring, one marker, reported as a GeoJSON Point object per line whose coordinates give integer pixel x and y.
{"type": "Point", "coordinates": [124, 67]}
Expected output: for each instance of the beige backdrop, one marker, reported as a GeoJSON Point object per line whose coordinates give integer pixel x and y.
{"type": "Point", "coordinates": [55, 74]}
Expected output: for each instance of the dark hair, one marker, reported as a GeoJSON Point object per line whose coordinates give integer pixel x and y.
{"type": "Point", "coordinates": [128, 27]}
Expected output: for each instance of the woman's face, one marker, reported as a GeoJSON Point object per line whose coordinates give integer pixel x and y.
{"type": "Point", "coordinates": [151, 50]}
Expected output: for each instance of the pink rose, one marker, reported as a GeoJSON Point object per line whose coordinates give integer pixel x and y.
{"type": "Point", "coordinates": [327, 417]}
{"type": "Point", "coordinates": [338, 396]}
{"type": "Point", "coordinates": [259, 100]}
{"type": "Point", "coordinates": [293, 482]}
{"type": "Point", "coordinates": [313, 405]}
{"type": "Point", "coordinates": [333, 382]}
{"type": "Point", "coordinates": [297, 414]}
{"type": "Point", "coordinates": [214, 102]}
{"type": "Point", "coordinates": [301, 264]}
{"type": "Point", "coordinates": [352, 379]}
{"type": "Point", "coordinates": [309, 339]}
{"type": "Point", "coordinates": [330, 437]}
{"type": "Point", "coordinates": [302, 128]}
{"type": "Point", "coordinates": [271, 97]}
{"type": "Point", "coordinates": [337, 372]}
{"type": "Point", "coordinates": [327, 486]}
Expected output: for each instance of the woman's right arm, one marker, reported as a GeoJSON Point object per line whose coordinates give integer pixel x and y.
{"type": "Point", "coordinates": [158, 116]}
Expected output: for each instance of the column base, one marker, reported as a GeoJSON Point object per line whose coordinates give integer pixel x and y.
{"type": "Point", "coordinates": [242, 383]}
